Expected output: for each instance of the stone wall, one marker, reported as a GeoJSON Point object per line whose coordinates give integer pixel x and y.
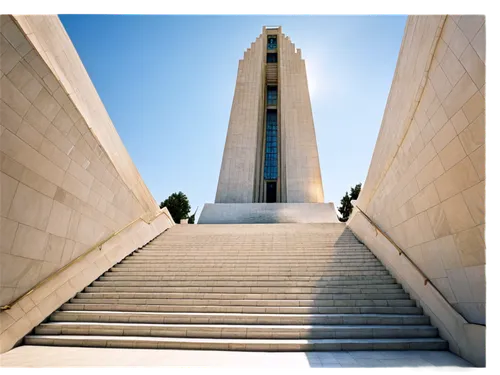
{"type": "Point", "coordinates": [60, 191]}
{"type": "Point", "coordinates": [425, 186]}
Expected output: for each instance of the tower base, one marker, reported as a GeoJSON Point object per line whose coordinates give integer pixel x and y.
{"type": "Point", "coordinates": [267, 213]}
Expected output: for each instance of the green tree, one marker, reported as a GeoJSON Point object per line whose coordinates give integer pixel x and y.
{"type": "Point", "coordinates": [355, 192]}
{"type": "Point", "coordinates": [346, 207]}
{"type": "Point", "coordinates": [178, 206]}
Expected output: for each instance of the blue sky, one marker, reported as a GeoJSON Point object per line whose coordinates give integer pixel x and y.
{"type": "Point", "coordinates": [167, 83]}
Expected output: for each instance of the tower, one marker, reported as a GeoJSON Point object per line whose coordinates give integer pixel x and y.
{"type": "Point", "coordinates": [270, 155]}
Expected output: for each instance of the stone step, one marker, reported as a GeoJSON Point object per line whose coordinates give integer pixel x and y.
{"type": "Point", "coordinates": [386, 278]}
{"type": "Point", "coordinates": [75, 306]}
{"type": "Point", "coordinates": [294, 273]}
{"type": "Point", "coordinates": [263, 263]}
{"type": "Point", "coordinates": [245, 258]}
{"type": "Point", "coordinates": [234, 331]}
{"type": "Point", "coordinates": [215, 267]}
{"type": "Point", "coordinates": [258, 288]}
{"type": "Point", "coordinates": [264, 250]}
{"type": "Point", "coordinates": [186, 255]}
{"type": "Point", "coordinates": [237, 296]}
{"type": "Point", "coordinates": [263, 246]}
{"type": "Point", "coordinates": [284, 282]}
{"type": "Point", "coordinates": [246, 238]}
{"type": "Point", "coordinates": [238, 290]}
{"type": "Point", "coordinates": [84, 298]}
{"type": "Point", "coordinates": [237, 318]}
{"type": "Point", "coordinates": [239, 344]}
{"type": "Point", "coordinates": [105, 282]}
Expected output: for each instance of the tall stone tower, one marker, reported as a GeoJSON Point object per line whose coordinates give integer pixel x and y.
{"type": "Point", "coordinates": [270, 156]}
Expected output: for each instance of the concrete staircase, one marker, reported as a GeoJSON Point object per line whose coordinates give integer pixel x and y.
{"type": "Point", "coordinates": [260, 287]}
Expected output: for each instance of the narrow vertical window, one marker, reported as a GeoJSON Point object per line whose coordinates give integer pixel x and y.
{"type": "Point", "coordinates": [272, 95]}
{"type": "Point", "coordinates": [271, 155]}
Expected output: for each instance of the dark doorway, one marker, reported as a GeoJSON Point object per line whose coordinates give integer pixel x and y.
{"type": "Point", "coordinates": [272, 57]}
{"type": "Point", "coordinates": [271, 192]}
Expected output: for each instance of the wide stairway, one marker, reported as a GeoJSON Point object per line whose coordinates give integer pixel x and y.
{"type": "Point", "coordinates": [267, 287]}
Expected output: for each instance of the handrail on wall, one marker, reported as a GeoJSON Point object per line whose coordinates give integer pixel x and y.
{"type": "Point", "coordinates": [401, 252]}
{"type": "Point", "coordinates": [76, 260]}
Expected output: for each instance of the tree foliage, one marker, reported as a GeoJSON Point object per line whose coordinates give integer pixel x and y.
{"type": "Point", "coordinates": [346, 207]}
{"type": "Point", "coordinates": [355, 192]}
{"type": "Point", "coordinates": [178, 206]}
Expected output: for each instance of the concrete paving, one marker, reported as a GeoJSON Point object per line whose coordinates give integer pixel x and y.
{"type": "Point", "coordinates": [46, 356]}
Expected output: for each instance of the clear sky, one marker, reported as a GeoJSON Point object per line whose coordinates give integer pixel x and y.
{"type": "Point", "coordinates": [167, 83]}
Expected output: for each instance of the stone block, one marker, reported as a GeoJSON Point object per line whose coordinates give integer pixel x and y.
{"type": "Point", "coordinates": [8, 230]}
{"type": "Point", "coordinates": [452, 154]}
{"type": "Point", "coordinates": [433, 267]}
{"type": "Point", "coordinates": [478, 159]}
{"type": "Point", "coordinates": [13, 97]}
{"type": "Point", "coordinates": [459, 284]}
{"type": "Point", "coordinates": [452, 67]}
{"type": "Point", "coordinates": [38, 183]}
{"type": "Point", "coordinates": [459, 121]}
{"type": "Point", "coordinates": [29, 135]}
{"type": "Point", "coordinates": [425, 227]}
{"type": "Point", "coordinates": [10, 57]}
{"type": "Point", "coordinates": [58, 139]}
{"type": "Point", "coordinates": [426, 198]}
{"type": "Point", "coordinates": [75, 187]}
{"type": "Point", "coordinates": [7, 193]}
{"type": "Point", "coordinates": [444, 136]}
{"type": "Point", "coordinates": [471, 247]}
{"type": "Point", "coordinates": [30, 207]}
{"type": "Point", "coordinates": [81, 174]}
{"type": "Point", "coordinates": [474, 135]}
{"type": "Point", "coordinates": [35, 118]}
{"type": "Point", "coordinates": [9, 118]}
{"type": "Point", "coordinates": [459, 217]}
{"type": "Point", "coordinates": [54, 249]}
{"type": "Point", "coordinates": [429, 173]}
{"type": "Point", "coordinates": [11, 167]}
{"type": "Point", "coordinates": [458, 42]}
{"type": "Point", "coordinates": [479, 43]}
{"type": "Point", "coordinates": [448, 30]}
{"type": "Point", "coordinates": [460, 177]}
{"type": "Point", "coordinates": [439, 222]}
{"type": "Point", "coordinates": [46, 104]}
{"type": "Point", "coordinates": [62, 122]}
{"type": "Point", "coordinates": [461, 93]}
{"type": "Point", "coordinates": [59, 219]}
{"type": "Point", "coordinates": [474, 199]}
{"type": "Point", "coordinates": [29, 243]}
{"type": "Point", "coordinates": [474, 65]}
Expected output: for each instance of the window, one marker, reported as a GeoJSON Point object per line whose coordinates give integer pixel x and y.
{"type": "Point", "coordinates": [271, 155]}
{"type": "Point", "coordinates": [272, 95]}
{"type": "Point", "coordinates": [272, 42]}
{"type": "Point", "coordinates": [272, 57]}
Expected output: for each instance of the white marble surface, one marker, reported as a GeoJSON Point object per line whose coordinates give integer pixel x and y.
{"type": "Point", "coordinates": [41, 356]}
{"type": "Point", "coordinates": [266, 213]}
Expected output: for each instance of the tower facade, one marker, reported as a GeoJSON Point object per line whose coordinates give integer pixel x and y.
{"type": "Point", "coordinates": [270, 155]}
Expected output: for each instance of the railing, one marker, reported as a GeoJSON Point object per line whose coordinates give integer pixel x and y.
{"type": "Point", "coordinates": [401, 252]}
{"type": "Point", "coordinates": [78, 259]}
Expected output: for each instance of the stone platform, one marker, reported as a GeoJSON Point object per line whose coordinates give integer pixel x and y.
{"type": "Point", "coordinates": [267, 213]}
